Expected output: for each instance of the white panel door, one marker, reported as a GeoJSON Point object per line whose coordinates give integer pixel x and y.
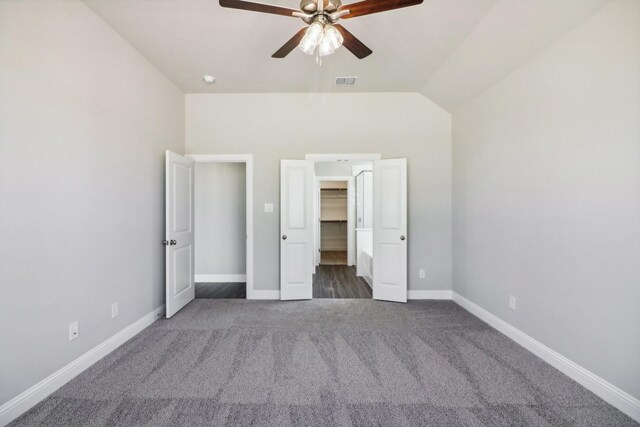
{"type": "Point", "coordinates": [296, 229]}
{"type": "Point", "coordinates": [316, 223]}
{"type": "Point", "coordinates": [390, 230]}
{"type": "Point", "coordinates": [180, 289]}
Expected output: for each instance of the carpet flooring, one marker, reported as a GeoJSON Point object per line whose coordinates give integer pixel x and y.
{"type": "Point", "coordinates": [346, 362]}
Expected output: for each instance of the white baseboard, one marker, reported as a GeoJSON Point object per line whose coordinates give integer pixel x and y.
{"type": "Point", "coordinates": [264, 295]}
{"type": "Point", "coordinates": [221, 278]}
{"type": "Point", "coordinates": [29, 398]}
{"type": "Point", "coordinates": [605, 390]}
{"type": "Point", "coordinates": [444, 294]}
{"type": "Point", "coordinates": [369, 281]}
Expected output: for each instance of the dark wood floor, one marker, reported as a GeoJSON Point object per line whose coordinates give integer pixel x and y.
{"type": "Point", "coordinates": [330, 281]}
{"type": "Point", "coordinates": [339, 281]}
{"type": "Point", "coordinates": [221, 290]}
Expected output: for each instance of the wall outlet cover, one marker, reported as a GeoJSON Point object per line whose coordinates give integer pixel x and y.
{"type": "Point", "coordinates": [268, 207]}
{"type": "Point", "coordinates": [422, 274]}
{"type": "Point", "coordinates": [114, 310]}
{"type": "Point", "coordinates": [73, 331]}
{"type": "Point", "coordinates": [512, 302]}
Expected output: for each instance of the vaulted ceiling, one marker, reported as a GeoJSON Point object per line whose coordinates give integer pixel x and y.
{"type": "Point", "coordinates": [449, 50]}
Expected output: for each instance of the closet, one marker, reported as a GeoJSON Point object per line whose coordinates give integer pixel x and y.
{"type": "Point", "coordinates": [333, 222]}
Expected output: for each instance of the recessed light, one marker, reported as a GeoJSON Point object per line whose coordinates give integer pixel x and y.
{"type": "Point", "coordinates": [209, 79]}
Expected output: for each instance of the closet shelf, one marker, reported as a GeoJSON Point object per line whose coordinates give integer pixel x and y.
{"type": "Point", "coordinates": [333, 220]}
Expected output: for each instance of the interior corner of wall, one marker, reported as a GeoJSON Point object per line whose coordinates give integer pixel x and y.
{"type": "Point", "coordinates": [433, 103]}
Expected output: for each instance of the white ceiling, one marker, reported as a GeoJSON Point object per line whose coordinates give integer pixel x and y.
{"type": "Point", "coordinates": [450, 50]}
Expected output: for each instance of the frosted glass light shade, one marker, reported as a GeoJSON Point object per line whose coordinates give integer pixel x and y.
{"type": "Point", "coordinates": [325, 47]}
{"type": "Point", "coordinates": [307, 46]}
{"type": "Point", "coordinates": [333, 37]}
{"type": "Point", "coordinates": [311, 38]}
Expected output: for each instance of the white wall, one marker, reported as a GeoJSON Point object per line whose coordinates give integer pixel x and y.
{"type": "Point", "coordinates": [280, 126]}
{"type": "Point", "coordinates": [220, 218]}
{"type": "Point", "coordinates": [547, 196]}
{"type": "Point", "coordinates": [333, 168]}
{"type": "Point", "coordinates": [84, 122]}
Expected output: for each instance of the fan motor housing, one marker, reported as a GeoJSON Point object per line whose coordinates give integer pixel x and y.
{"type": "Point", "coordinates": [311, 6]}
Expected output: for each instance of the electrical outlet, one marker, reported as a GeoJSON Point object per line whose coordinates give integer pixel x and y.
{"type": "Point", "coordinates": [268, 207]}
{"type": "Point", "coordinates": [512, 302]}
{"type": "Point", "coordinates": [73, 331]}
{"type": "Point", "coordinates": [422, 274]}
{"type": "Point", "coordinates": [114, 310]}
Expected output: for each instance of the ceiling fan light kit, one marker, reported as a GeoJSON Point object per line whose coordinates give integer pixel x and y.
{"type": "Point", "coordinates": [324, 36]}
{"type": "Point", "coordinates": [321, 15]}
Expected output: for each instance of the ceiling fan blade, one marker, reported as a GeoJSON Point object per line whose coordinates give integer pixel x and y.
{"type": "Point", "coordinates": [352, 44]}
{"type": "Point", "coordinates": [290, 45]}
{"type": "Point", "coordinates": [258, 7]}
{"type": "Point", "coordinates": [367, 7]}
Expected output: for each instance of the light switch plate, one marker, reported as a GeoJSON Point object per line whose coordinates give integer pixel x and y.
{"type": "Point", "coordinates": [268, 207]}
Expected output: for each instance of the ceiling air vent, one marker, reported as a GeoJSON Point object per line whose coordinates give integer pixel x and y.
{"type": "Point", "coordinates": [346, 81]}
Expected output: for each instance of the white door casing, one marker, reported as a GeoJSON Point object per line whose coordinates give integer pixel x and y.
{"type": "Point", "coordinates": [179, 214]}
{"type": "Point", "coordinates": [390, 230]}
{"type": "Point", "coordinates": [296, 229]}
{"type": "Point", "coordinates": [351, 221]}
{"type": "Point", "coordinates": [316, 224]}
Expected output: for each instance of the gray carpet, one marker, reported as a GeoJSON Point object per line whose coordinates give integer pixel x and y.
{"type": "Point", "coordinates": [319, 363]}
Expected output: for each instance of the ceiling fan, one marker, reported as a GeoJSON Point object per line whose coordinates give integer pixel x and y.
{"type": "Point", "coordinates": [321, 16]}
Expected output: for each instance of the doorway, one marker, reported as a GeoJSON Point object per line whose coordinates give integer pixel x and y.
{"type": "Point", "coordinates": [332, 221]}
{"type": "Point", "coordinates": [339, 199]}
{"type": "Point", "coordinates": [299, 226]}
{"type": "Point", "coordinates": [220, 230]}
{"type": "Point", "coordinates": [180, 228]}
{"type": "Point", "coordinates": [222, 218]}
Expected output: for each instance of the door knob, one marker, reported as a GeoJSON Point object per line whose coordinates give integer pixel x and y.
{"type": "Point", "coordinates": [173, 242]}
{"type": "Point", "coordinates": [401, 237]}
{"type": "Point", "coordinates": [165, 242]}
{"type": "Point", "coordinates": [284, 237]}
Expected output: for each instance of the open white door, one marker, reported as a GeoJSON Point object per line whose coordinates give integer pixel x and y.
{"type": "Point", "coordinates": [180, 289]}
{"type": "Point", "coordinates": [296, 229]}
{"type": "Point", "coordinates": [317, 204]}
{"type": "Point", "coordinates": [390, 230]}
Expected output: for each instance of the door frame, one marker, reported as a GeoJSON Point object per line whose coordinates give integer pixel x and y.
{"type": "Point", "coordinates": [351, 229]}
{"type": "Point", "coordinates": [336, 157]}
{"type": "Point", "coordinates": [247, 159]}
{"type": "Point", "coordinates": [342, 157]}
